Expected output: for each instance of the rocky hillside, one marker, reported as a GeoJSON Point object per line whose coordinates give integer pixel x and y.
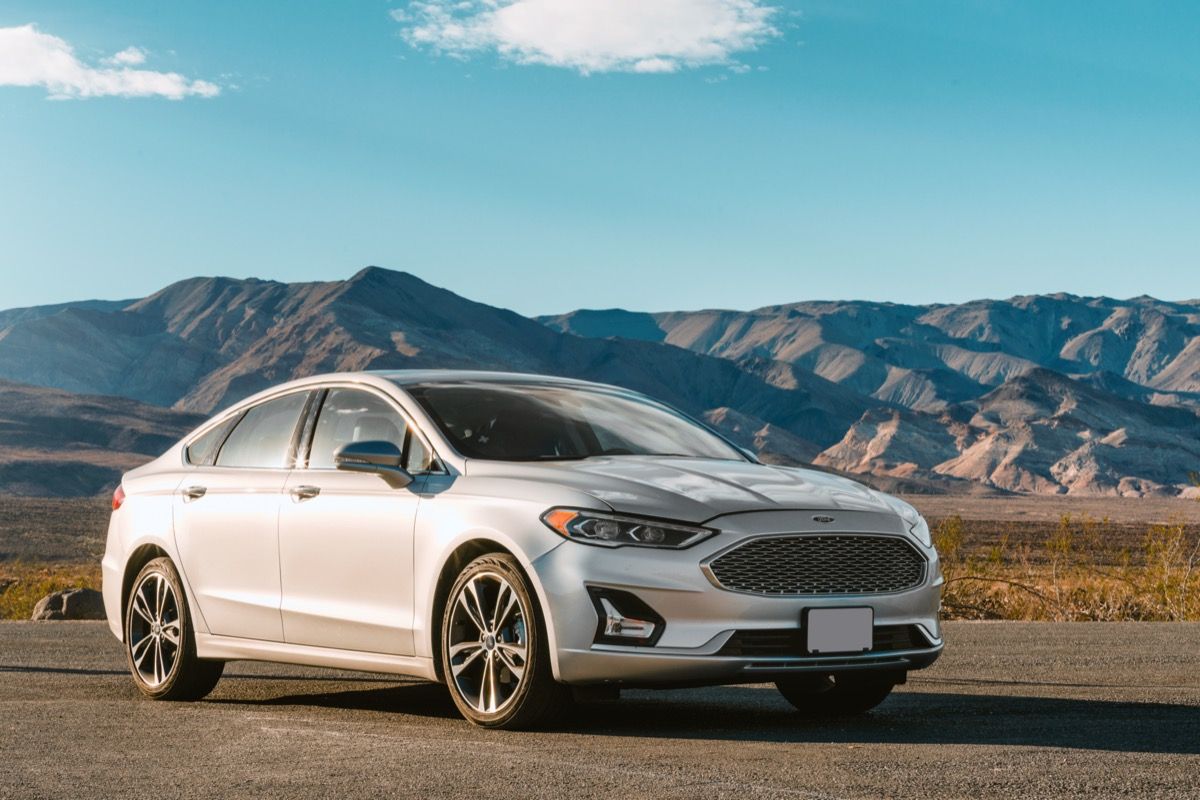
{"type": "Point", "coordinates": [1039, 432]}
{"type": "Point", "coordinates": [1033, 394]}
{"type": "Point", "coordinates": [1037, 394]}
{"type": "Point", "coordinates": [929, 357]}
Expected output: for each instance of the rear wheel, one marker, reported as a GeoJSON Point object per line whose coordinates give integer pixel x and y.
{"type": "Point", "coordinates": [494, 650]}
{"type": "Point", "coordinates": [160, 644]}
{"type": "Point", "coordinates": [843, 694]}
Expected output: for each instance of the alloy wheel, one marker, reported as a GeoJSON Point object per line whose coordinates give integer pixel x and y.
{"type": "Point", "coordinates": [155, 632]}
{"type": "Point", "coordinates": [488, 643]}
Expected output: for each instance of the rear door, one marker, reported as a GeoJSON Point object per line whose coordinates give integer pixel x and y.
{"type": "Point", "coordinates": [227, 520]}
{"type": "Point", "coordinates": [345, 538]}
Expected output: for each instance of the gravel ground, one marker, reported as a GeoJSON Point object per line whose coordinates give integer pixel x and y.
{"type": "Point", "coordinates": [1012, 710]}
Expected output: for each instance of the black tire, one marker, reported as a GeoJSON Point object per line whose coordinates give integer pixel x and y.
{"type": "Point", "coordinates": [837, 695]}
{"type": "Point", "coordinates": [531, 699]}
{"type": "Point", "coordinates": [174, 671]}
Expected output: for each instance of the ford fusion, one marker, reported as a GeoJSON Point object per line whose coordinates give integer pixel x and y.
{"type": "Point", "coordinates": [522, 539]}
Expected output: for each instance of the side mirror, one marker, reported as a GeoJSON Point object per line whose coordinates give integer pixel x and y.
{"type": "Point", "coordinates": [378, 458]}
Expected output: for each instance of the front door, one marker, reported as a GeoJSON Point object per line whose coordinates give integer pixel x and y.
{"type": "Point", "coordinates": [345, 538]}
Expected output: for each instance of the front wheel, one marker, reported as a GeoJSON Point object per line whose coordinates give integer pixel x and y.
{"type": "Point", "coordinates": [835, 695]}
{"type": "Point", "coordinates": [160, 644]}
{"type": "Point", "coordinates": [494, 651]}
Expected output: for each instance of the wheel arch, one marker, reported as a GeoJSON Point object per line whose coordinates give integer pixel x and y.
{"type": "Point", "coordinates": [458, 558]}
{"type": "Point", "coordinates": [139, 558]}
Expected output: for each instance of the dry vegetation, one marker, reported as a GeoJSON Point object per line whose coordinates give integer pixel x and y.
{"type": "Point", "coordinates": [1083, 569]}
{"type": "Point", "coordinates": [22, 585]}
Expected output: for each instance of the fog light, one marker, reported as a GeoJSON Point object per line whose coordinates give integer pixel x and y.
{"type": "Point", "coordinates": [617, 624]}
{"type": "Point", "coordinates": [624, 618]}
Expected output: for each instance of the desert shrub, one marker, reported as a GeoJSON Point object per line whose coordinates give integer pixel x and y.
{"type": "Point", "coordinates": [1080, 574]}
{"type": "Point", "coordinates": [1170, 571]}
{"type": "Point", "coordinates": [948, 537]}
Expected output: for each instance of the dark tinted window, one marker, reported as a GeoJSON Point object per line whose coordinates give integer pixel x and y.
{"type": "Point", "coordinates": [529, 422]}
{"type": "Point", "coordinates": [264, 436]}
{"type": "Point", "coordinates": [203, 448]}
{"type": "Point", "coordinates": [352, 415]}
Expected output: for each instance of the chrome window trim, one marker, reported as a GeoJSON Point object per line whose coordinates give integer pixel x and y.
{"type": "Point", "coordinates": [240, 410]}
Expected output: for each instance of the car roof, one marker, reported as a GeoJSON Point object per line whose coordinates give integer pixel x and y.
{"type": "Point", "coordinates": [403, 378]}
{"type": "Point", "coordinates": [411, 377]}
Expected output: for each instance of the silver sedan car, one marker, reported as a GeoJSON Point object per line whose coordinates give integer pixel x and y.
{"type": "Point", "coordinates": [523, 539]}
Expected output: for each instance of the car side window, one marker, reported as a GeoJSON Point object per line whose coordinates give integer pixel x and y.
{"type": "Point", "coordinates": [352, 415]}
{"type": "Point", "coordinates": [417, 457]}
{"type": "Point", "coordinates": [263, 437]}
{"type": "Point", "coordinates": [203, 448]}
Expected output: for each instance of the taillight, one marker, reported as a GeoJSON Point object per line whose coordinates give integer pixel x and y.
{"type": "Point", "coordinates": [118, 497]}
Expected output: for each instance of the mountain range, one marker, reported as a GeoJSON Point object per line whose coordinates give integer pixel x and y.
{"type": "Point", "coordinates": [1045, 394]}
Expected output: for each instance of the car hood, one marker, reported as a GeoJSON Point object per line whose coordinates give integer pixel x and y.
{"type": "Point", "coordinates": [694, 489]}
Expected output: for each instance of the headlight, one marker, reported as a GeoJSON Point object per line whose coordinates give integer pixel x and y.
{"type": "Point", "coordinates": [920, 529]}
{"type": "Point", "coordinates": [613, 530]}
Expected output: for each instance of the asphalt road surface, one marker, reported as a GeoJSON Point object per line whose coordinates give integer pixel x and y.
{"type": "Point", "coordinates": [1012, 710]}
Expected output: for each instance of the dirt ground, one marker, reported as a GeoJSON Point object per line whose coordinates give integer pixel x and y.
{"type": "Point", "coordinates": [38, 529]}
{"type": "Point", "coordinates": [1139, 511]}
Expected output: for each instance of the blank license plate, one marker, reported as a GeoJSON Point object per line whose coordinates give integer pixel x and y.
{"type": "Point", "coordinates": [839, 630]}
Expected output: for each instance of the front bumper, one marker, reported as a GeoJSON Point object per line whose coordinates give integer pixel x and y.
{"type": "Point", "coordinates": [713, 635]}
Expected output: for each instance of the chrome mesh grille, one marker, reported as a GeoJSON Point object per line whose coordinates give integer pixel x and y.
{"type": "Point", "coordinates": [820, 564]}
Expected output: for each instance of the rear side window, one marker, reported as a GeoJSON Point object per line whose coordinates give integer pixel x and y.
{"type": "Point", "coordinates": [351, 415]}
{"type": "Point", "coordinates": [203, 448]}
{"type": "Point", "coordinates": [263, 437]}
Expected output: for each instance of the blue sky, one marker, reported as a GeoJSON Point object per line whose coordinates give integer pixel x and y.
{"type": "Point", "coordinates": [914, 152]}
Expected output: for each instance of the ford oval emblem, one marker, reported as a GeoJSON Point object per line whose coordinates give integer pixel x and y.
{"type": "Point", "coordinates": [822, 519]}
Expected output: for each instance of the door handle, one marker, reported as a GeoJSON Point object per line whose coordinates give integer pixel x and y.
{"type": "Point", "coordinates": [305, 492]}
{"type": "Point", "coordinates": [195, 492]}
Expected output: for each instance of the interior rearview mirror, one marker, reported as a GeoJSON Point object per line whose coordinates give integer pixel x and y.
{"type": "Point", "coordinates": [379, 458]}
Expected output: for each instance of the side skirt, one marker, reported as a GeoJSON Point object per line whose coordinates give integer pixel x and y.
{"type": "Point", "coordinates": [228, 648]}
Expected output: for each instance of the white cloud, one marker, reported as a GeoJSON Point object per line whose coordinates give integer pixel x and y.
{"type": "Point", "coordinates": [129, 57]}
{"type": "Point", "coordinates": [29, 57]}
{"type": "Point", "coordinates": [592, 35]}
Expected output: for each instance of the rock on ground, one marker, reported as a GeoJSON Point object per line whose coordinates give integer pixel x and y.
{"type": "Point", "coordinates": [70, 604]}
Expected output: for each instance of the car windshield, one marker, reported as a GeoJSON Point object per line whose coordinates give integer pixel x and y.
{"type": "Point", "coordinates": [541, 422]}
